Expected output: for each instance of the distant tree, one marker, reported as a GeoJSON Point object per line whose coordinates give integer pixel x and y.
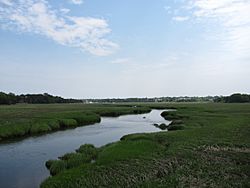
{"type": "Point", "coordinates": [8, 98]}
{"type": "Point", "coordinates": [45, 98]}
{"type": "Point", "coordinates": [237, 98]}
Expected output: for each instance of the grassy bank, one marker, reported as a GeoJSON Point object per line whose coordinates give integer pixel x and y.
{"type": "Point", "coordinates": [27, 119]}
{"type": "Point", "coordinates": [213, 150]}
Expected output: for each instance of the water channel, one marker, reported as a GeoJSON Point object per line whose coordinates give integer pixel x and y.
{"type": "Point", "coordinates": [22, 163]}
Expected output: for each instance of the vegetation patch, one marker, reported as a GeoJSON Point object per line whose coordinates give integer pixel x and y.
{"type": "Point", "coordinates": [57, 166]}
{"type": "Point", "coordinates": [39, 128]}
{"type": "Point", "coordinates": [176, 127]}
{"type": "Point", "coordinates": [85, 154]}
{"type": "Point", "coordinates": [30, 119]}
{"type": "Point", "coordinates": [54, 124]}
{"type": "Point", "coordinates": [170, 115]}
{"type": "Point", "coordinates": [176, 122]}
{"type": "Point", "coordinates": [88, 150]}
{"type": "Point", "coordinates": [9, 129]}
{"type": "Point", "coordinates": [68, 123]}
{"type": "Point", "coordinates": [162, 126]}
{"type": "Point", "coordinates": [212, 151]}
{"type": "Point", "coordinates": [129, 110]}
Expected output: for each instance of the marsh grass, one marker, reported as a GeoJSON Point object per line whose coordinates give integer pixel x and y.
{"type": "Point", "coordinates": [176, 127]}
{"type": "Point", "coordinates": [171, 115]}
{"type": "Point", "coordinates": [88, 150]}
{"type": "Point", "coordinates": [39, 128]}
{"type": "Point", "coordinates": [9, 129]}
{"type": "Point", "coordinates": [26, 120]}
{"type": "Point", "coordinates": [212, 151]}
{"type": "Point", "coordinates": [68, 123]}
{"type": "Point", "coordinates": [162, 126]}
{"type": "Point", "coordinates": [177, 122]}
{"type": "Point", "coordinates": [57, 166]}
{"type": "Point", "coordinates": [84, 155]}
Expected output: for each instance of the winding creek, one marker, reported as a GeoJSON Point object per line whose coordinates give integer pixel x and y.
{"type": "Point", "coordinates": [22, 163]}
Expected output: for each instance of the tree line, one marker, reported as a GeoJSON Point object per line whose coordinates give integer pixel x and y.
{"type": "Point", "coordinates": [45, 98]}
{"type": "Point", "coordinates": [234, 98]}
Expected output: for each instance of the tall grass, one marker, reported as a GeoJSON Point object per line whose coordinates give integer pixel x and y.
{"type": "Point", "coordinates": [212, 151]}
{"type": "Point", "coordinates": [25, 120]}
{"type": "Point", "coordinates": [85, 154]}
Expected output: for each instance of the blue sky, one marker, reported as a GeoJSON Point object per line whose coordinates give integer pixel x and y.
{"type": "Point", "coordinates": [132, 48]}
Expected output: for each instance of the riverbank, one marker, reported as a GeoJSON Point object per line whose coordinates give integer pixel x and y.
{"type": "Point", "coordinates": [213, 150]}
{"type": "Point", "coordinates": [20, 121]}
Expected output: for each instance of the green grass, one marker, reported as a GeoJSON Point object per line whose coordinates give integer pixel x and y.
{"type": "Point", "coordinates": [39, 128]}
{"type": "Point", "coordinates": [31, 119]}
{"type": "Point", "coordinates": [212, 151]}
{"type": "Point", "coordinates": [85, 154]}
{"type": "Point", "coordinates": [88, 150]}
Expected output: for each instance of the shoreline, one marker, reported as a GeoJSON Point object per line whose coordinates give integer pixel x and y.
{"type": "Point", "coordinates": [47, 125]}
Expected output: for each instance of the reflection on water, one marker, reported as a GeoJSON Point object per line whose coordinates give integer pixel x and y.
{"type": "Point", "coordinates": [22, 163]}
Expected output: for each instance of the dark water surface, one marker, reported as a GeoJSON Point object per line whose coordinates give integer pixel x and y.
{"type": "Point", "coordinates": [22, 163]}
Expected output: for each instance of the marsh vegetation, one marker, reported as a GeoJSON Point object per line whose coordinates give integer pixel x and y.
{"type": "Point", "coordinates": [207, 145]}
{"type": "Point", "coordinates": [212, 151]}
{"type": "Point", "coordinates": [27, 156]}
{"type": "Point", "coordinates": [33, 119]}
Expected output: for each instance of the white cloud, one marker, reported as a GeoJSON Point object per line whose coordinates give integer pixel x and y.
{"type": "Point", "coordinates": [234, 18]}
{"type": "Point", "coordinates": [180, 18]}
{"type": "Point", "coordinates": [76, 2]}
{"type": "Point", "coordinates": [37, 16]}
{"type": "Point", "coordinates": [65, 10]}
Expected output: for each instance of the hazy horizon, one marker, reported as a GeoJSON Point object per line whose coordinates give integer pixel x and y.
{"type": "Point", "coordinates": [127, 96]}
{"type": "Point", "coordinates": [121, 49]}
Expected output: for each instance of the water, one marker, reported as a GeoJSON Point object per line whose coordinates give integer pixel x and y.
{"type": "Point", "coordinates": [22, 164]}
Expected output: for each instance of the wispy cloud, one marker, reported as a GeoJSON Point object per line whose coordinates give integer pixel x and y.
{"type": "Point", "coordinates": [227, 22]}
{"type": "Point", "coordinates": [65, 10]}
{"type": "Point", "coordinates": [37, 16]}
{"type": "Point", "coordinates": [76, 2]}
{"type": "Point", "coordinates": [233, 16]}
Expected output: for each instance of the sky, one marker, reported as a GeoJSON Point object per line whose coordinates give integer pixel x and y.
{"type": "Point", "coordinates": [120, 49]}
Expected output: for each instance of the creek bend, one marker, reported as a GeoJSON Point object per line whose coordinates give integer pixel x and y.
{"type": "Point", "coordinates": [22, 163]}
